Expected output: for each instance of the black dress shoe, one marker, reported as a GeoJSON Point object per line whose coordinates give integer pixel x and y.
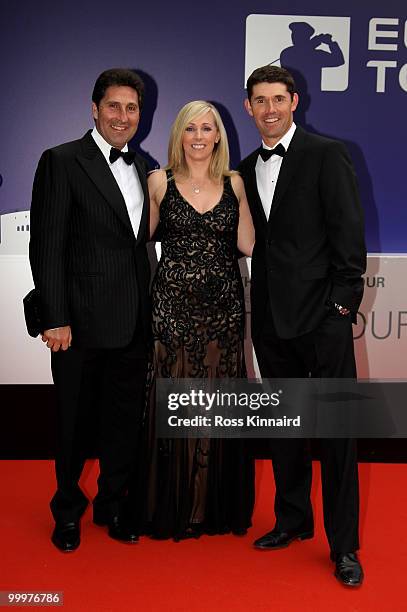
{"type": "Point", "coordinates": [66, 536]}
{"type": "Point", "coordinates": [348, 569]}
{"type": "Point", "coordinates": [118, 529]}
{"type": "Point", "coordinates": [99, 521]}
{"type": "Point", "coordinates": [239, 531]}
{"type": "Point", "coordinates": [281, 539]}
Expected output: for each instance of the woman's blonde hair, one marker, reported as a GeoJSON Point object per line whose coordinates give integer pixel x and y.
{"type": "Point", "coordinates": [219, 165]}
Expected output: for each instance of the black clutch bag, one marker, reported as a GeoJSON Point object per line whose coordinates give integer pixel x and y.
{"type": "Point", "coordinates": [32, 313]}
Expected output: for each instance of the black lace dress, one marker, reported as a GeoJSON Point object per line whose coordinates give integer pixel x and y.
{"type": "Point", "coordinates": [205, 485]}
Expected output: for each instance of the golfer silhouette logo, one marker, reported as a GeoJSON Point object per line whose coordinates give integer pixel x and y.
{"type": "Point", "coordinates": [305, 55]}
{"type": "Point", "coordinates": [317, 47]}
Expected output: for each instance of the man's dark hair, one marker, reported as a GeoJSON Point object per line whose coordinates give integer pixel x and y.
{"type": "Point", "coordinates": [271, 74]}
{"type": "Point", "coordinates": [118, 76]}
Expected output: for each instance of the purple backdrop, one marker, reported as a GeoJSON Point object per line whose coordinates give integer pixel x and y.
{"type": "Point", "coordinates": [51, 55]}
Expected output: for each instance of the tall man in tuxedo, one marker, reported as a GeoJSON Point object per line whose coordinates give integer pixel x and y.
{"type": "Point", "coordinates": [306, 287]}
{"type": "Point", "coordinates": [89, 219]}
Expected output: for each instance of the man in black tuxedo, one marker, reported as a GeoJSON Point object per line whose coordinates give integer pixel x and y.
{"type": "Point", "coordinates": [89, 223]}
{"type": "Point", "coordinates": [306, 286]}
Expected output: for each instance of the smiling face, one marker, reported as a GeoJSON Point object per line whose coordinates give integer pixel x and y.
{"type": "Point", "coordinates": [118, 115]}
{"type": "Point", "coordinates": [271, 107]}
{"type": "Point", "coordinates": [200, 137]}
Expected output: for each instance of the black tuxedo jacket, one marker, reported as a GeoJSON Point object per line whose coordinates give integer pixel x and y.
{"type": "Point", "coordinates": [311, 249]}
{"type": "Point", "coordinates": [90, 270]}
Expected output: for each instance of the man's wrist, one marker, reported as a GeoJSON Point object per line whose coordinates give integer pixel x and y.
{"type": "Point", "coordinates": [342, 310]}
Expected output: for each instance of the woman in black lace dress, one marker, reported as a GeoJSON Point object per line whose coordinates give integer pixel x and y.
{"type": "Point", "coordinates": [204, 485]}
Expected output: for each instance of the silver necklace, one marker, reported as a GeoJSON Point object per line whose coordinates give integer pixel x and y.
{"type": "Point", "coordinates": [196, 188]}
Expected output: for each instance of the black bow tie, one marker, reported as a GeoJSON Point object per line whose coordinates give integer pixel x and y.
{"type": "Point", "coordinates": [116, 153]}
{"type": "Point", "coordinates": [265, 154]}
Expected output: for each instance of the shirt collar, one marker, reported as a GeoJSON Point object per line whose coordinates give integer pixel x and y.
{"type": "Point", "coordinates": [103, 145]}
{"type": "Point", "coordinates": [285, 140]}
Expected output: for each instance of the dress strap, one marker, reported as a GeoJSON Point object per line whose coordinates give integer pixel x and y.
{"type": "Point", "coordinates": [227, 187]}
{"type": "Point", "coordinates": [170, 181]}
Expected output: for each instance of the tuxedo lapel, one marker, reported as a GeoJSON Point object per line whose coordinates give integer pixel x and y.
{"type": "Point", "coordinates": [144, 215]}
{"type": "Point", "coordinates": [95, 166]}
{"type": "Point", "coordinates": [289, 166]}
{"type": "Point", "coordinates": [252, 191]}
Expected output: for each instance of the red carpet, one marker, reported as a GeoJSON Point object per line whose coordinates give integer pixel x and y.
{"type": "Point", "coordinates": [213, 573]}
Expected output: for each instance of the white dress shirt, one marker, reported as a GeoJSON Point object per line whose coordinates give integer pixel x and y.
{"type": "Point", "coordinates": [267, 171]}
{"type": "Point", "coordinates": [127, 179]}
